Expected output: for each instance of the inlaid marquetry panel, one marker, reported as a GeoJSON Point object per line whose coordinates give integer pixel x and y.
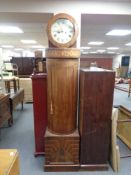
{"type": "Point", "coordinates": [63, 53]}
{"type": "Point", "coordinates": [62, 149]}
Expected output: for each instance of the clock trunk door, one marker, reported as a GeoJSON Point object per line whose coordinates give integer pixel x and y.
{"type": "Point", "coordinates": [62, 95]}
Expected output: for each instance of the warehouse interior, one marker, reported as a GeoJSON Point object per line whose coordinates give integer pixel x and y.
{"type": "Point", "coordinates": [31, 92]}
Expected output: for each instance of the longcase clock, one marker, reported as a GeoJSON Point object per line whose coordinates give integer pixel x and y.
{"type": "Point", "coordinates": [62, 138]}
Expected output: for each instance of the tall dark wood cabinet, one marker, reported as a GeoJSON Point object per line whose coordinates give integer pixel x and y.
{"type": "Point", "coordinates": [25, 65]}
{"type": "Point", "coordinates": [95, 109]}
{"type": "Point", "coordinates": [39, 87]}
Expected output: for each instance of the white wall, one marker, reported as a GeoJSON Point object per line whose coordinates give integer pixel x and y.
{"type": "Point", "coordinates": [117, 61]}
{"type": "Point", "coordinates": [1, 59]}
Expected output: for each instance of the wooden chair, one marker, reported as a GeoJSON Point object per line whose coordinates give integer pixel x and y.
{"type": "Point", "coordinates": [124, 125]}
{"type": "Point", "coordinates": [121, 127]}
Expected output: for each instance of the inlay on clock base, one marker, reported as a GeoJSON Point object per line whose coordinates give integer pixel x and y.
{"type": "Point", "coordinates": [61, 152]}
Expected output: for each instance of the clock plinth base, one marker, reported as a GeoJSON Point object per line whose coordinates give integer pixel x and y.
{"type": "Point", "coordinates": [61, 152]}
{"type": "Point", "coordinates": [36, 154]}
{"type": "Point", "coordinates": [61, 168]}
{"type": "Point", "coordinates": [94, 167]}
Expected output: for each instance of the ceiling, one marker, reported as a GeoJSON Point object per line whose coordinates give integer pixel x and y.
{"type": "Point", "coordinates": [93, 28]}
{"type": "Point", "coordinates": [33, 25]}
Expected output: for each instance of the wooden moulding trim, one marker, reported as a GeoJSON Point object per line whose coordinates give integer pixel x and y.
{"type": "Point", "coordinates": [38, 75]}
{"type": "Point", "coordinates": [62, 53]}
{"type": "Point", "coordinates": [94, 167]}
{"type": "Point", "coordinates": [61, 167]}
{"type": "Point", "coordinates": [37, 153]}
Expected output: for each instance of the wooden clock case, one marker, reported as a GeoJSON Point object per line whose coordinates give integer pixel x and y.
{"type": "Point", "coordinates": [62, 136]}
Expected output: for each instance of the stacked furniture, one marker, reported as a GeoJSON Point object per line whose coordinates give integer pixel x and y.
{"type": "Point", "coordinates": [25, 69]}
{"type": "Point", "coordinates": [26, 66]}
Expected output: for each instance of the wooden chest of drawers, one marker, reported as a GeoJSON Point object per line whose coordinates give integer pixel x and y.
{"type": "Point", "coordinates": [5, 114]}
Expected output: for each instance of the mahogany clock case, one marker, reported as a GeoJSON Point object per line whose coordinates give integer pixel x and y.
{"type": "Point", "coordinates": [62, 89]}
{"type": "Point", "coordinates": [62, 136]}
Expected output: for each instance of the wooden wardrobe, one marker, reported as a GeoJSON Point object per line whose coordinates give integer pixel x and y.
{"type": "Point", "coordinates": [95, 109]}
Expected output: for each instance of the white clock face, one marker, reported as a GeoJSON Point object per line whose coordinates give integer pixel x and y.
{"type": "Point", "coordinates": [62, 31]}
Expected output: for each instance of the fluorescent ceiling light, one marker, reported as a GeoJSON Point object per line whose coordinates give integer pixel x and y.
{"type": "Point", "coordinates": [28, 41]}
{"type": "Point", "coordinates": [38, 46]}
{"type": "Point", "coordinates": [93, 52]}
{"type": "Point", "coordinates": [96, 43]}
{"type": "Point", "coordinates": [101, 51]}
{"type": "Point", "coordinates": [113, 48]}
{"type": "Point", "coordinates": [111, 52]}
{"type": "Point", "coordinates": [7, 46]}
{"type": "Point", "coordinates": [128, 44]}
{"type": "Point", "coordinates": [85, 48]}
{"type": "Point", "coordinates": [85, 53]}
{"type": "Point", "coordinates": [18, 49]}
{"type": "Point", "coordinates": [119, 32]}
{"type": "Point", "coordinates": [10, 29]}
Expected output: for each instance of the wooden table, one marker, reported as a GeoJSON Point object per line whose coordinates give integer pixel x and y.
{"type": "Point", "coordinates": [5, 114]}
{"type": "Point", "coordinates": [9, 162]}
{"type": "Point", "coordinates": [15, 99]}
{"type": "Point", "coordinates": [9, 81]}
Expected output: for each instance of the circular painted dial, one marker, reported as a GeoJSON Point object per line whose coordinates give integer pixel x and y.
{"type": "Point", "coordinates": [62, 31]}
